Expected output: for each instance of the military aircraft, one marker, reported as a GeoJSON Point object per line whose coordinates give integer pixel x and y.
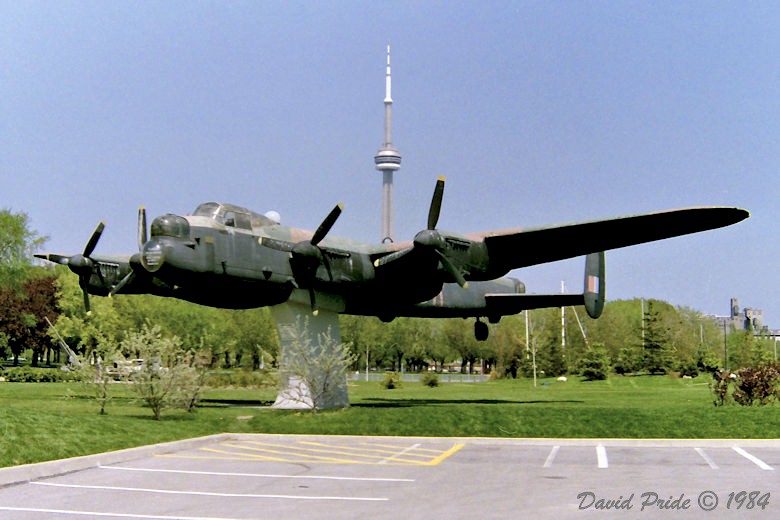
{"type": "Point", "coordinates": [230, 257]}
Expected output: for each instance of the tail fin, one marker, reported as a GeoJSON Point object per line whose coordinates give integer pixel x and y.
{"type": "Point", "coordinates": [595, 284]}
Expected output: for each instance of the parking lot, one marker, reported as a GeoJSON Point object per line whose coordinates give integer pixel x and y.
{"type": "Point", "coordinates": [323, 477]}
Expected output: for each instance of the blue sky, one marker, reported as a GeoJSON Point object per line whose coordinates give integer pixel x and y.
{"type": "Point", "coordinates": [536, 112]}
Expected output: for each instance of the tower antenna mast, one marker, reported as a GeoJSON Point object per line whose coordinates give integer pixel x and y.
{"type": "Point", "coordinates": [387, 159]}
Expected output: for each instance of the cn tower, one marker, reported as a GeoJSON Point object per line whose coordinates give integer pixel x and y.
{"type": "Point", "coordinates": [387, 160]}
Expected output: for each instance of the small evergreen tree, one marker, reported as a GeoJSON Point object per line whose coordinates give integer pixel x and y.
{"type": "Point", "coordinates": [595, 364]}
{"type": "Point", "coordinates": [657, 357]}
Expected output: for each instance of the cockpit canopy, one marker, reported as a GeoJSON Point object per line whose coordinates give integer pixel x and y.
{"type": "Point", "coordinates": [233, 216]}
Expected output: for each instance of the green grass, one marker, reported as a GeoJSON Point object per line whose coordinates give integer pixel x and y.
{"type": "Point", "coordinates": [44, 421]}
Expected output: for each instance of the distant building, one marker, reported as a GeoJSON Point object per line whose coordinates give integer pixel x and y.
{"type": "Point", "coordinates": [748, 319]}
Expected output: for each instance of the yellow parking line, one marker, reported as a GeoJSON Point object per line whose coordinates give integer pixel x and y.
{"type": "Point", "coordinates": [446, 454]}
{"type": "Point", "coordinates": [361, 451]}
{"type": "Point", "coordinates": [315, 452]}
{"type": "Point", "coordinates": [395, 448]}
{"type": "Point", "coordinates": [311, 453]}
{"type": "Point", "coordinates": [297, 456]}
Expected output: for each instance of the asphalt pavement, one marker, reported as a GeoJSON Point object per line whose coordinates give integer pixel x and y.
{"type": "Point", "coordinates": [232, 477]}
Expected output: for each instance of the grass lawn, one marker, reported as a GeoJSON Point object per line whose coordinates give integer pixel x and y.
{"type": "Point", "coordinates": [44, 421]}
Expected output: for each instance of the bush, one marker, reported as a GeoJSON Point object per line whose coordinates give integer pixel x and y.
{"type": "Point", "coordinates": [722, 380]}
{"type": "Point", "coordinates": [689, 368]}
{"type": "Point", "coordinates": [391, 380]}
{"type": "Point", "coordinates": [751, 385]}
{"type": "Point", "coordinates": [36, 375]}
{"type": "Point", "coordinates": [757, 386]}
{"type": "Point", "coordinates": [430, 379]}
{"type": "Point", "coordinates": [595, 364]}
{"type": "Point", "coordinates": [628, 361]}
{"type": "Point", "coordinates": [241, 379]}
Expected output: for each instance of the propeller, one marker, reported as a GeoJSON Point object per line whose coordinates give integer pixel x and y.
{"type": "Point", "coordinates": [142, 239]}
{"type": "Point", "coordinates": [81, 264]}
{"type": "Point", "coordinates": [430, 239]}
{"type": "Point", "coordinates": [435, 209]}
{"type": "Point", "coordinates": [306, 256]}
{"type": "Point", "coordinates": [142, 235]}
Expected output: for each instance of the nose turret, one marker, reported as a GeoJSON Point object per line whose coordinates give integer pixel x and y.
{"type": "Point", "coordinates": [170, 226]}
{"type": "Point", "coordinates": [167, 226]}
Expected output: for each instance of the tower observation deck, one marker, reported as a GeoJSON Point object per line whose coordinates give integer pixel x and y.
{"type": "Point", "coordinates": [387, 159]}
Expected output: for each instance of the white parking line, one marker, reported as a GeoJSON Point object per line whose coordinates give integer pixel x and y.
{"type": "Point", "coordinates": [601, 455]}
{"type": "Point", "coordinates": [706, 458]}
{"type": "Point", "coordinates": [256, 475]}
{"type": "Point", "coordinates": [551, 457]}
{"type": "Point", "coordinates": [107, 515]}
{"type": "Point", "coordinates": [752, 458]}
{"type": "Point", "coordinates": [399, 454]}
{"type": "Point", "coordinates": [211, 494]}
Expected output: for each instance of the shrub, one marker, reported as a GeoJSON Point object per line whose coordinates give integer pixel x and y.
{"type": "Point", "coordinates": [688, 368]}
{"type": "Point", "coordinates": [628, 361]}
{"type": "Point", "coordinates": [36, 375]}
{"type": "Point", "coordinates": [430, 379]}
{"type": "Point", "coordinates": [757, 386]}
{"type": "Point", "coordinates": [313, 368]}
{"type": "Point", "coordinates": [752, 385]}
{"type": "Point", "coordinates": [722, 380]}
{"type": "Point", "coordinates": [595, 364]}
{"type": "Point", "coordinates": [391, 380]}
{"type": "Point", "coordinates": [241, 379]}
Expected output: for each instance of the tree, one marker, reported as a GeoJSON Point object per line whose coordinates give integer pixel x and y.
{"type": "Point", "coordinates": [22, 315]}
{"type": "Point", "coordinates": [88, 334]}
{"type": "Point", "coordinates": [414, 335]}
{"type": "Point", "coordinates": [459, 335]}
{"type": "Point", "coordinates": [98, 375]}
{"type": "Point", "coordinates": [438, 349]}
{"type": "Point", "coordinates": [509, 342]}
{"type": "Point", "coordinates": [158, 379]}
{"type": "Point", "coordinates": [27, 294]}
{"type": "Point", "coordinates": [317, 369]}
{"type": "Point", "coordinates": [366, 337]}
{"type": "Point", "coordinates": [656, 343]}
{"type": "Point", "coordinates": [595, 364]}
{"type": "Point", "coordinates": [17, 244]}
{"type": "Point", "coordinates": [547, 339]}
{"type": "Point", "coordinates": [616, 328]}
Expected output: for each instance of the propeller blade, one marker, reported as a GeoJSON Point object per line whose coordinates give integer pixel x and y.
{"type": "Point", "coordinates": [86, 301]}
{"type": "Point", "coordinates": [327, 224]}
{"type": "Point", "coordinates": [124, 281]}
{"type": "Point", "coordinates": [279, 245]}
{"type": "Point", "coordinates": [438, 196]}
{"type": "Point", "coordinates": [93, 240]}
{"type": "Point", "coordinates": [52, 257]}
{"type": "Point", "coordinates": [142, 236]}
{"type": "Point", "coordinates": [452, 270]}
{"type": "Point", "coordinates": [379, 262]}
{"type": "Point", "coordinates": [314, 309]}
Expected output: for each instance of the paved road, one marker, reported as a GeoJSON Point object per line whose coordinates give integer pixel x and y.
{"type": "Point", "coordinates": [229, 477]}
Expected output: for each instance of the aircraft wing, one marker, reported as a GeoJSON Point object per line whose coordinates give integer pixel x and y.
{"type": "Point", "coordinates": [516, 248]}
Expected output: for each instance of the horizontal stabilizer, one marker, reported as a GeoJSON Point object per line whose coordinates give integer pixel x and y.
{"type": "Point", "coordinates": [593, 296]}
{"type": "Point", "coordinates": [507, 304]}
